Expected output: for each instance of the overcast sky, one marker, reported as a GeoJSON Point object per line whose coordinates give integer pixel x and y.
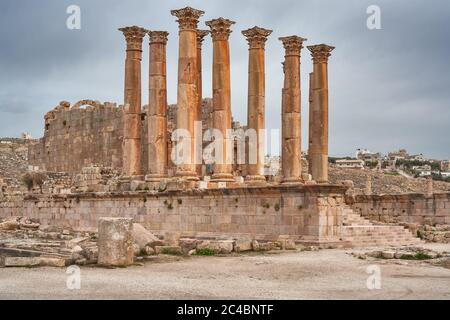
{"type": "Point", "coordinates": [389, 88]}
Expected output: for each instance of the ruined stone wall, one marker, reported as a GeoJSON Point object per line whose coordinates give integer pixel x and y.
{"type": "Point", "coordinates": [313, 212]}
{"type": "Point", "coordinates": [78, 136]}
{"type": "Point", "coordinates": [403, 208]}
{"type": "Point", "coordinates": [91, 133]}
{"type": "Point", "coordinates": [13, 161]}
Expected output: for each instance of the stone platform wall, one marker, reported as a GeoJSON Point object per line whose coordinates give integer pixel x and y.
{"type": "Point", "coordinates": [403, 208]}
{"type": "Point", "coordinates": [11, 205]}
{"type": "Point", "coordinates": [310, 211]}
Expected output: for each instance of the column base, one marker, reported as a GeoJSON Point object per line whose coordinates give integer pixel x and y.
{"type": "Point", "coordinates": [222, 177]}
{"type": "Point", "coordinates": [155, 177]}
{"type": "Point", "coordinates": [187, 175]}
{"type": "Point", "coordinates": [255, 180]}
{"type": "Point", "coordinates": [125, 179]}
{"type": "Point", "coordinates": [292, 181]}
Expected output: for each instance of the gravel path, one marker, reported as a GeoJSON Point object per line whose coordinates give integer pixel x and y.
{"type": "Point", "coordinates": [325, 274]}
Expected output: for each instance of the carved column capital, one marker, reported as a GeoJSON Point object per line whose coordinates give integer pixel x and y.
{"type": "Point", "coordinates": [257, 37]}
{"type": "Point", "coordinates": [293, 45]}
{"type": "Point", "coordinates": [320, 52]}
{"type": "Point", "coordinates": [220, 28]}
{"type": "Point", "coordinates": [158, 36]}
{"type": "Point", "coordinates": [134, 36]}
{"type": "Point", "coordinates": [201, 34]}
{"type": "Point", "coordinates": [187, 17]}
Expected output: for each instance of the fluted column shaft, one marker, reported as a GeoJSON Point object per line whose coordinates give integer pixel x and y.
{"type": "Point", "coordinates": [157, 107]}
{"type": "Point", "coordinates": [256, 38]}
{"type": "Point", "coordinates": [132, 109]}
{"type": "Point", "coordinates": [291, 154]}
{"type": "Point", "coordinates": [220, 32]}
{"type": "Point", "coordinates": [187, 96]}
{"type": "Point", "coordinates": [318, 146]}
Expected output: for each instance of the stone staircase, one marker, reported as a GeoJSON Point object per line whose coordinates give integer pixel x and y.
{"type": "Point", "coordinates": [360, 232]}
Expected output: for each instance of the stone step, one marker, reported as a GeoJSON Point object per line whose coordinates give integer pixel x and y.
{"type": "Point", "coordinates": [359, 231]}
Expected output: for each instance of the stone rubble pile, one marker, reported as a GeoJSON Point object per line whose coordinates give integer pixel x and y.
{"type": "Point", "coordinates": [437, 233]}
{"type": "Point", "coordinates": [403, 253]}
{"type": "Point", "coordinates": [25, 242]}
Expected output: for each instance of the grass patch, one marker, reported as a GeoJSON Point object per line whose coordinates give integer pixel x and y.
{"type": "Point", "coordinates": [204, 252]}
{"type": "Point", "coordinates": [417, 256]}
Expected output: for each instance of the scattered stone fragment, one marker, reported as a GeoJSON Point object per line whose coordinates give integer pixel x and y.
{"type": "Point", "coordinates": [9, 225]}
{"type": "Point", "coordinates": [174, 250]}
{"type": "Point", "coordinates": [22, 261]}
{"type": "Point", "coordinates": [388, 254]}
{"type": "Point", "coordinates": [255, 245]}
{"type": "Point", "coordinates": [243, 245]}
{"type": "Point", "coordinates": [143, 237]}
{"type": "Point", "coordinates": [188, 244]}
{"type": "Point", "coordinates": [149, 250]}
{"type": "Point", "coordinates": [217, 246]}
{"type": "Point", "coordinates": [115, 242]}
{"type": "Point", "coordinates": [52, 262]}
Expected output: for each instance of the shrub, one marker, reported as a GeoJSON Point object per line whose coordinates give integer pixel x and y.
{"type": "Point", "coordinates": [417, 256]}
{"type": "Point", "coordinates": [27, 179]}
{"type": "Point", "coordinates": [204, 252]}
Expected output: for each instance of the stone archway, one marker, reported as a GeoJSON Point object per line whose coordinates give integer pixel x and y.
{"type": "Point", "coordinates": [91, 103]}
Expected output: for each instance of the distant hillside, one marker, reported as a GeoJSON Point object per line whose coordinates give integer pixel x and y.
{"type": "Point", "coordinates": [383, 183]}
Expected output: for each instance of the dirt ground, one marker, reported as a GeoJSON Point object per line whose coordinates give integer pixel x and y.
{"type": "Point", "coordinates": [324, 274]}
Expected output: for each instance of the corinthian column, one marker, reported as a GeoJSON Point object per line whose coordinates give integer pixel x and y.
{"type": "Point", "coordinates": [291, 154]}
{"type": "Point", "coordinates": [318, 144]}
{"type": "Point", "coordinates": [201, 34]}
{"type": "Point", "coordinates": [256, 38]}
{"type": "Point", "coordinates": [220, 32]}
{"type": "Point", "coordinates": [187, 101]}
{"type": "Point", "coordinates": [157, 108]}
{"type": "Point", "coordinates": [132, 115]}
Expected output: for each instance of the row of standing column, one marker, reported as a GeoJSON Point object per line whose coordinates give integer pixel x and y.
{"type": "Point", "coordinates": [189, 100]}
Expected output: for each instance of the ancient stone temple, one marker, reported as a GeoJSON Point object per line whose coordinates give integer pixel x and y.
{"type": "Point", "coordinates": [177, 194]}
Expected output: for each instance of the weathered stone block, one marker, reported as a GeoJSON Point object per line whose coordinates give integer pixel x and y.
{"type": "Point", "coordinates": [115, 241]}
